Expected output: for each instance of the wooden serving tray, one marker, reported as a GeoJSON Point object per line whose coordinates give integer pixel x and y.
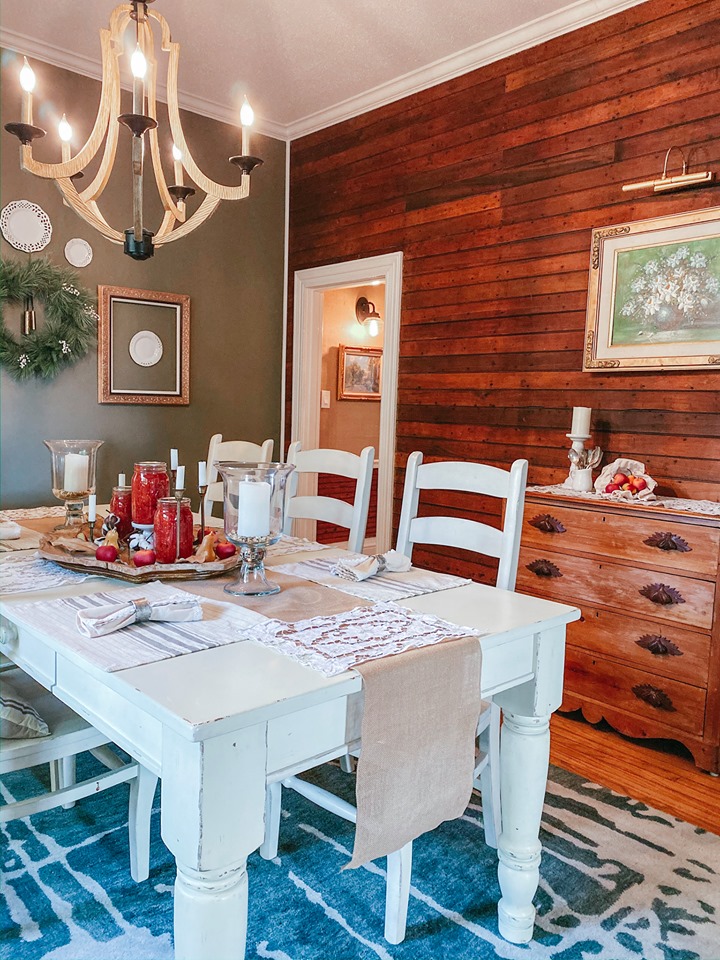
{"type": "Point", "coordinates": [86, 563]}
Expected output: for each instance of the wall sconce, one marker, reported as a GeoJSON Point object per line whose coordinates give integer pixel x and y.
{"type": "Point", "coordinates": [679, 182]}
{"type": "Point", "coordinates": [367, 316]}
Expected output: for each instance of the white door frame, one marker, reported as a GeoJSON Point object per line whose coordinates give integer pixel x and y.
{"type": "Point", "coordinates": [307, 359]}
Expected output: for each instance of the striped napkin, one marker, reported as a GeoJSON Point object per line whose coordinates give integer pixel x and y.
{"type": "Point", "coordinates": [365, 567]}
{"type": "Point", "coordinates": [99, 621]}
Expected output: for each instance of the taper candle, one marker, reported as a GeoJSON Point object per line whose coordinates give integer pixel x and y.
{"type": "Point", "coordinates": [202, 473]}
{"type": "Point", "coordinates": [180, 480]}
{"type": "Point", "coordinates": [92, 507]}
{"type": "Point", "coordinates": [173, 459]}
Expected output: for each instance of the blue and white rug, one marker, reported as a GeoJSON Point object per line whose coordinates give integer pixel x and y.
{"type": "Point", "coordinates": [619, 882]}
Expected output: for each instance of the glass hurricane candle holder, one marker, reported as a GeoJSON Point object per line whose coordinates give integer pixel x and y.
{"type": "Point", "coordinates": [73, 477]}
{"type": "Point", "coordinates": [254, 507]}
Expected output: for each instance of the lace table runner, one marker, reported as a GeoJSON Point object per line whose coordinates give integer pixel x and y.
{"type": "Point", "coordinates": [709, 507]}
{"type": "Point", "coordinates": [21, 574]}
{"type": "Point", "coordinates": [141, 642]}
{"type": "Point", "coordinates": [337, 643]}
{"type": "Point", "coordinates": [382, 587]}
{"type": "Point", "coordinates": [32, 513]}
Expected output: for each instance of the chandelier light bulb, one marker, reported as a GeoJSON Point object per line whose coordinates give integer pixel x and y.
{"type": "Point", "coordinates": [27, 77]}
{"type": "Point", "coordinates": [138, 64]}
{"type": "Point", "coordinates": [64, 130]}
{"type": "Point", "coordinates": [177, 154]}
{"type": "Point", "coordinates": [246, 114]}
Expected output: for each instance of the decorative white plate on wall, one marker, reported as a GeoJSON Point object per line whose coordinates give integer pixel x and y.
{"type": "Point", "coordinates": [78, 252]}
{"type": "Point", "coordinates": [146, 348]}
{"type": "Point", "coordinates": [25, 226]}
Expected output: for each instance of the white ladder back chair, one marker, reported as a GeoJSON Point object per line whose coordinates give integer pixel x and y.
{"type": "Point", "coordinates": [341, 463]}
{"type": "Point", "coordinates": [70, 735]}
{"type": "Point", "coordinates": [241, 451]}
{"type": "Point", "coordinates": [465, 477]}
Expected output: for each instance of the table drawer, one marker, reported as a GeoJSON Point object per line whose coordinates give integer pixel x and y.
{"type": "Point", "coordinates": [28, 652]}
{"type": "Point", "coordinates": [679, 547]}
{"type": "Point", "coordinates": [662, 649]}
{"type": "Point", "coordinates": [638, 591]}
{"type": "Point", "coordinates": [677, 705]}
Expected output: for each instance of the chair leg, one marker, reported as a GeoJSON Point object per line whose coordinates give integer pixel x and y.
{"type": "Point", "coordinates": [397, 893]}
{"type": "Point", "coordinates": [347, 763]}
{"type": "Point", "coordinates": [55, 776]}
{"type": "Point", "coordinates": [490, 779]}
{"type": "Point", "coordinates": [273, 804]}
{"type": "Point", "coordinates": [142, 793]}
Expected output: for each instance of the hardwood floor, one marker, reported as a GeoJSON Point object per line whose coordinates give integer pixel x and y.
{"type": "Point", "coordinates": [660, 773]}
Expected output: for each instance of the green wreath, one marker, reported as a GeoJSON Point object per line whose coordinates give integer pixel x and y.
{"type": "Point", "coordinates": [70, 319]}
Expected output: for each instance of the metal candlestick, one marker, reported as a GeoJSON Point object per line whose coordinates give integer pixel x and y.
{"type": "Point", "coordinates": [202, 490]}
{"type": "Point", "coordinates": [178, 501]}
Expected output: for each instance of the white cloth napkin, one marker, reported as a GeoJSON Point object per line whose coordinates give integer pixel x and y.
{"type": "Point", "coordinates": [364, 567]}
{"type": "Point", "coordinates": [98, 621]}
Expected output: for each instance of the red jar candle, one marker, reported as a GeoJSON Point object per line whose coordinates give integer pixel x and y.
{"type": "Point", "coordinates": [166, 527]}
{"type": "Point", "coordinates": [150, 482]}
{"type": "Point", "coordinates": [121, 507]}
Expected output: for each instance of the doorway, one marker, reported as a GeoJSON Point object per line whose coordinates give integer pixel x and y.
{"type": "Point", "coordinates": [310, 288]}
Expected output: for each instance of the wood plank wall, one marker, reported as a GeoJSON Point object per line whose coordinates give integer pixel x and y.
{"type": "Point", "coordinates": [490, 185]}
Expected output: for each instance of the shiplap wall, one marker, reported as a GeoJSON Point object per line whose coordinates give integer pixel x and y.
{"type": "Point", "coordinates": [490, 185]}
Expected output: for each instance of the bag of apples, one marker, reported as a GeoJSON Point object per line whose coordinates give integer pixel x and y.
{"type": "Point", "coordinates": [625, 479]}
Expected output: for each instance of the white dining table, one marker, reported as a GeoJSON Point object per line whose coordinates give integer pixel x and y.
{"type": "Point", "coordinates": [216, 725]}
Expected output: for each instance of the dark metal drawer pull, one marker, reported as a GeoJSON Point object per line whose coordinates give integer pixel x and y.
{"type": "Point", "coordinates": [547, 523]}
{"type": "Point", "coordinates": [661, 593]}
{"type": "Point", "coordinates": [543, 568]}
{"type": "Point", "coordinates": [654, 696]}
{"type": "Point", "coordinates": [659, 646]}
{"type": "Point", "coordinates": [668, 541]}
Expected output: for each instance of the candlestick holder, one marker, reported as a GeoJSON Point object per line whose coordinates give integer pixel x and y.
{"type": "Point", "coordinates": [73, 477]}
{"type": "Point", "coordinates": [202, 490]}
{"type": "Point", "coordinates": [178, 494]}
{"type": "Point", "coordinates": [254, 502]}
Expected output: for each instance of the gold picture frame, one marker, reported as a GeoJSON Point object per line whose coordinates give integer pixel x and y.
{"type": "Point", "coordinates": [654, 294]}
{"type": "Point", "coordinates": [359, 373]}
{"type": "Point", "coordinates": [143, 346]}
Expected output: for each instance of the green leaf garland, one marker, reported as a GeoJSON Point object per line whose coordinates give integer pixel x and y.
{"type": "Point", "coordinates": [70, 319]}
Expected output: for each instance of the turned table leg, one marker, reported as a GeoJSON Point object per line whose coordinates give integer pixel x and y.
{"type": "Point", "coordinates": [524, 754]}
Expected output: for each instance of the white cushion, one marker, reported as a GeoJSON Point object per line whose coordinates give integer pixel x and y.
{"type": "Point", "coordinates": [18, 718]}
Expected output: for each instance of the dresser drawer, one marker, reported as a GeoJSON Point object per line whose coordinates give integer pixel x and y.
{"type": "Point", "coordinates": [578, 580]}
{"type": "Point", "coordinates": [661, 700]}
{"type": "Point", "coordinates": [663, 649]}
{"type": "Point", "coordinates": [679, 547]}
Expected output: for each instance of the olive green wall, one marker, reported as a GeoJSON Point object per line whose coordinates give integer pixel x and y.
{"type": "Point", "coordinates": [231, 266]}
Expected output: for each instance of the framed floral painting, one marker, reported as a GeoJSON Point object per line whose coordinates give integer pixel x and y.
{"type": "Point", "coordinates": [654, 294]}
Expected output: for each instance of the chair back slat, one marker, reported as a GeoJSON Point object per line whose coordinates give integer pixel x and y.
{"type": "Point", "coordinates": [458, 532]}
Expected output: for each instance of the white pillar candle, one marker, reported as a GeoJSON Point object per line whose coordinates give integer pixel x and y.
{"type": "Point", "coordinates": [253, 505]}
{"type": "Point", "coordinates": [121, 480]}
{"type": "Point", "coordinates": [92, 507]}
{"type": "Point", "coordinates": [180, 479]}
{"type": "Point", "coordinates": [173, 459]}
{"type": "Point", "coordinates": [75, 477]}
{"type": "Point", "coordinates": [202, 473]}
{"type": "Point", "coordinates": [581, 422]}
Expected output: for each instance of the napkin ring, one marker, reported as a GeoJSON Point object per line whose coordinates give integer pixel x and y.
{"type": "Point", "coordinates": [381, 562]}
{"type": "Point", "coordinates": [143, 610]}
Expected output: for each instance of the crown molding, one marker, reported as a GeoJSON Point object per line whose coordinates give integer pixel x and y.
{"type": "Point", "coordinates": [569, 18]}
{"type": "Point", "coordinates": [531, 34]}
{"type": "Point", "coordinates": [91, 67]}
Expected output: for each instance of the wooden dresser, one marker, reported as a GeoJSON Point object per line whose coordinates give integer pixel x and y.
{"type": "Point", "coordinates": [646, 654]}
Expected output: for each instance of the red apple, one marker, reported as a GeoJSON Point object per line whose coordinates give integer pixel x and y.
{"type": "Point", "coordinates": [640, 483]}
{"type": "Point", "coordinates": [619, 479]}
{"type": "Point", "coordinates": [224, 550]}
{"type": "Point", "coordinates": [144, 558]}
{"type": "Point", "coordinates": [611, 487]}
{"type": "Point", "coordinates": [107, 553]}
{"type": "Point", "coordinates": [625, 486]}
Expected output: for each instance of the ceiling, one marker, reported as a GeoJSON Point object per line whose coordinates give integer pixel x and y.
{"type": "Point", "coordinates": [305, 65]}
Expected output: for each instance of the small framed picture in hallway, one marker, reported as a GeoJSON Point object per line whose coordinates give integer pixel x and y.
{"type": "Point", "coordinates": [359, 373]}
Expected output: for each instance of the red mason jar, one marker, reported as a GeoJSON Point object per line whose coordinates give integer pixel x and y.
{"type": "Point", "coordinates": [166, 527]}
{"type": "Point", "coordinates": [121, 507]}
{"type": "Point", "coordinates": [150, 482]}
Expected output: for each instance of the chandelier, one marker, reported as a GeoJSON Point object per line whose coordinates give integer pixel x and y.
{"type": "Point", "coordinates": [142, 123]}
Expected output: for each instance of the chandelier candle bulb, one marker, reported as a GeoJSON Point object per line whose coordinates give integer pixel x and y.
{"type": "Point", "coordinates": [75, 477]}
{"type": "Point", "coordinates": [253, 509]}
{"type": "Point", "coordinates": [138, 66]}
{"type": "Point", "coordinates": [581, 422]}
{"type": "Point", "coordinates": [247, 117]}
{"type": "Point", "coordinates": [27, 82]}
{"type": "Point", "coordinates": [65, 134]}
{"type": "Point", "coordinates": [177, 166]}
